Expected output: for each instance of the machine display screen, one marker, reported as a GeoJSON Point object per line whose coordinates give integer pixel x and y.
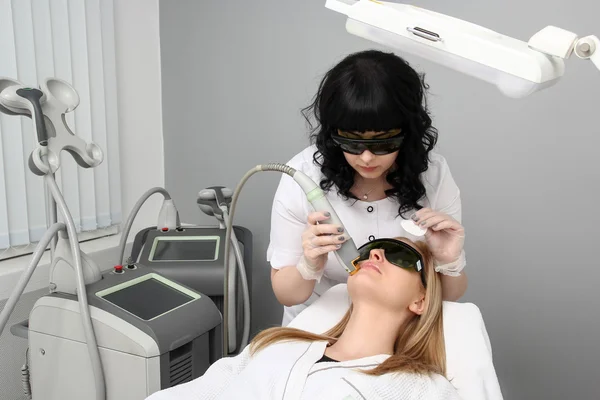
{"type": "Point", "coordinates": [148, 299]}
{"type": "Point", "coordinates": [188, 249]}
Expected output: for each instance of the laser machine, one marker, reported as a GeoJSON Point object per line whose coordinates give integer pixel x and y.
{"type": "Point", "coordinates": [121, 334]}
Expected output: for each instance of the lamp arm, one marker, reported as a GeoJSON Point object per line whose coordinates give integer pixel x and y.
{"type": "Point", "coordinates": [558, 42]}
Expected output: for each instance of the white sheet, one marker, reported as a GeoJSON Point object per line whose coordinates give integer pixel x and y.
{"type": "Point", "coordinates": [289, 371]}
{"type": "Point", "coordinates": [468, 350]}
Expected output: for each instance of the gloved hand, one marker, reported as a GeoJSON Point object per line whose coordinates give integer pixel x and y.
{"type": "Point", "coordinates": [445, 235]}
{"type": "Point", "coordinates": [317, 241]}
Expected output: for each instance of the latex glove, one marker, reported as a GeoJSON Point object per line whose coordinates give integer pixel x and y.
{"type": "Point", "coordinates": [317, 241]}
{"type": "Point", "coordinates": [445, 236]}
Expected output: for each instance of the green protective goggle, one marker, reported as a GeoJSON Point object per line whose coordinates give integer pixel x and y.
{"type": "Point", "coordinates": [396, 252]}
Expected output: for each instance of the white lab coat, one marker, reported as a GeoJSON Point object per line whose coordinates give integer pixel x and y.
{"type": "Point", "coordinates": [288, 371]}
{"type": "Point", "coordinates": [363, 220]}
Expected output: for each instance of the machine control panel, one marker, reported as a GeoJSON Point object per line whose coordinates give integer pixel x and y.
{"type": "Point", "coordinates": [193, 255]}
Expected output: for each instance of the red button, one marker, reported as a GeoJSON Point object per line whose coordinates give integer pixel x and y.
{"type": "Point", "coordinates": [165, 229]}
{"type": "Point", "coordinates": [118, 269]}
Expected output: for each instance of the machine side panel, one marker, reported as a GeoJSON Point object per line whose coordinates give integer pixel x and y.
{"type": "Point", "coordinates": [60, 317]}
{"type": "Point", "coordinates": [61, 370]}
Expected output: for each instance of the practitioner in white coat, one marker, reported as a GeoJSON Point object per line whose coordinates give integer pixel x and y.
{"type": "Point", "coordinates": [373, 155]}
{"type": "Point", "coordinates": [389, 345]}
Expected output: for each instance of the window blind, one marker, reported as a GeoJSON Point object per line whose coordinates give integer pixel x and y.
{"type": "Point", "coordinates": [73, 40]}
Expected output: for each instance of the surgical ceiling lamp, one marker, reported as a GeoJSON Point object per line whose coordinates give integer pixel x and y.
{"type": "Point", "coordinates": [515, 67]}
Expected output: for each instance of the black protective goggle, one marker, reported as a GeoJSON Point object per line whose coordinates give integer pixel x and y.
{"type": "Point", "coordinates": [396, 252]}
{"type": "Point", "coordinates": [378, 147]}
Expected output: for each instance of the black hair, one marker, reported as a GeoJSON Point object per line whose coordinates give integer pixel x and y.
{"type": "Point", "coordinates": [373, 91]}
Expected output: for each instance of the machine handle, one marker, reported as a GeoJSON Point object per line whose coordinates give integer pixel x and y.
{"type": "Point", "coordinates": [425, 34]}
{"type": "Point", "coordinates": [33, 96]}
{"type": "Point", "coordinates": [181, 341]}
{"type": "Point", "coordinates": [348, 252]}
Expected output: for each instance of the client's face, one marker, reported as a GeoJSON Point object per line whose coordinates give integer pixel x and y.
{"type": "Point", "coordinates": [388, 285]}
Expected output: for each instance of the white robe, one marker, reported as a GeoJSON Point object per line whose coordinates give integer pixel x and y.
{"type": "Point", "coordinates": [363, 220]}
{"type": "Point", "coordinates": [289, 371]}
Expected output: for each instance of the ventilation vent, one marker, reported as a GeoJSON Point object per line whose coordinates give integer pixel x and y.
{"type": "Point", "coordinates": [219, 302]}
{"type": "Point", "coordinates": [180, 365]}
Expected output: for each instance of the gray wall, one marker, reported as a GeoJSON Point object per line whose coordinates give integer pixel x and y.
{"type": "Point", "coordinates": [236, 73]}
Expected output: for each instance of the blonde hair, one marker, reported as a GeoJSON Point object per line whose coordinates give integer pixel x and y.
{"type": "Point", "coordinates": [419, 347]}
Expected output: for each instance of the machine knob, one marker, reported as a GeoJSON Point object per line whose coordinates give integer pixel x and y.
{"type": "Point", "coordinates": [118, 269]}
